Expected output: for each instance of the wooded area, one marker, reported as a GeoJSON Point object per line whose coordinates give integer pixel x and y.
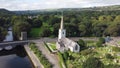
{"type": "Point", "coordinates": [77, 23]}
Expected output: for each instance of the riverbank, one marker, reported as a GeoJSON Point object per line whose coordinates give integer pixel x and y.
{"type": "Point", "coordinates": [33, 58]}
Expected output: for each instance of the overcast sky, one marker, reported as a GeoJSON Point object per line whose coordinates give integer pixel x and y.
{"type": "Point", "coordinates": [48, 4]}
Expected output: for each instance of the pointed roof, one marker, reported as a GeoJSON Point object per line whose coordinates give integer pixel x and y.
{"type": "Point", "coordinates": [61, 26]}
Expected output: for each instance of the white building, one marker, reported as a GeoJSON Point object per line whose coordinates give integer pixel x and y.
{"type": "Point", "coordinates": [64, 43]}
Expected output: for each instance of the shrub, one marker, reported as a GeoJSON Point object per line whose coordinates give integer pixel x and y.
{"type": "Point", "coordinates": [116, 49]}
{"type": "Point", "coordinates": [62, 61]}
{"type": "Point", "coordinates": [102, 40]}
{"type": "Point", "coordinates": [82, 44]}
{"type": "Point", "coordinates": [99, 44]}
{"type": "Point", "coordinates": [109, 56]}
{"type": "Point", "coordinates": [93, 62]}
{"type": "Point", "coordinates": [86, 52]}
{"type": "Point", "coordinates": [65, 55]}
{"type": "Point", "coordinates": [112, 66]}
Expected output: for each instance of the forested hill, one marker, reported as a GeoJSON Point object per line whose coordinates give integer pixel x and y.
{"type": "Point", "coordinates": [103, 8]}
{"type": "Point", "coordinates": [4, 12]}
{"type": "Point", "coordinates": [106, 8]}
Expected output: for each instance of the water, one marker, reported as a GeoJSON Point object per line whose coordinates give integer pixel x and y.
{"type": "Point", "coordinates": [9, 36]}
{"type": "Point", "coordinates": [15, 58]}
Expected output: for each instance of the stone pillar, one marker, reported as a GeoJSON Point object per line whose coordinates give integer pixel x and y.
{"type": "Point", "coordinates": [23, 36]}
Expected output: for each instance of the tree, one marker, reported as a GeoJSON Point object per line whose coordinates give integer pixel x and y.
{"type": "Point", "coordinates": [113, 29]}
{"type": "Point", "coordinates": [37, 23]}
{"type": "Point", "coordinates": [20, 26]}
{"type": "Point", "coordinates": [93, 62]}
{"type": "Point", "coordinates": [82, 44]}
{"type": "Point", "coordinates": [3, 33]}
{"type": "Point", "coordinates": [45, 32]}
{"type": "Point", "coordinates": [65, 55]}
{"type": "Point", "coordinates": [102, 40]}
{"type": "Point", "coordinates": [102, 18]}
{"type": "Point", "coordinates": [74, 20]}
{"type": "Point", "coordinates": [4, 24]}
{"type": "Point", "coordinates": [56, 28]}
{"type": "Point", "coordinates": [70, 27]}
{"type": "Point", "coordinates": [109, 56]}
{"type": "Point", "coordinates": [54, 20]}
{"type": "Point", "coordinates": [99, 29]}
{"type": "Point", "coordinates": [82, 29]}
{"type": "Point", "coordinates": [117, 18]}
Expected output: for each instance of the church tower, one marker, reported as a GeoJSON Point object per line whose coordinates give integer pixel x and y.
{"type": "Point", "coordinates": [62, 31]}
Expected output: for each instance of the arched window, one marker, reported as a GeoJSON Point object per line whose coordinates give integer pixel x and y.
{"type": "Point", "coordinates": [63, 32]}
{"type": "Point", "coordinates": [76, 47]}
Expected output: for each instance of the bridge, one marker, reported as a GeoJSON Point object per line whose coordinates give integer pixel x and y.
{"type": "Point", "coordinates": [24, 42]}
{"type": "Point", "coordinates": [13, 43]}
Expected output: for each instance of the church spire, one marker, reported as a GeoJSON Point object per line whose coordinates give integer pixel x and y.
{"type": "Point", "coordinates": [61, 26]}
{"type": "Point", "coordinates": [62, 31]}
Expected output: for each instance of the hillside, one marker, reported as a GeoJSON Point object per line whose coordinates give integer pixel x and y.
{"type": "Point", "coordinates": [102, 8]}
{"type": "Point", "coordinates": [4, 12]}
{"type": "Point", "coordinates": [106, 8]}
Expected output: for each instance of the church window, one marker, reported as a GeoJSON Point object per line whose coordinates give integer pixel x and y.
{"type": "Point", "coordinates": [76, 47]}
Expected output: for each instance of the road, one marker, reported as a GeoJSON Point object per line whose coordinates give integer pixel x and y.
{"type": "Point", "coordinates": [46, 39]}
{"type": "Point", "coordinates": [52, 58]}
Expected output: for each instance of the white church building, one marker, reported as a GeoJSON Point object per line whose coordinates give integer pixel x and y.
{"type": "Point", "coordinates": [64, 43]}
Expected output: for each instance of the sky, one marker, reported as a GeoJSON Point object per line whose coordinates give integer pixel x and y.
{"type": "Point", "coordinates": [53, 4]}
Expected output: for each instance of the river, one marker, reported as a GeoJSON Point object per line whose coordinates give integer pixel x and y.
{"type": "Point", "coordinates": [15, 58]}
{"type": "Point", "coordinates": [9, 36]}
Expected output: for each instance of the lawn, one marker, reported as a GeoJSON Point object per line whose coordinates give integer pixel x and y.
{"type": "Point", "coordinates": [35, 32]}
{"type": "Point", "coordinates": [52, 45]}
{"type": "Point", "coordinates": [90, 43]}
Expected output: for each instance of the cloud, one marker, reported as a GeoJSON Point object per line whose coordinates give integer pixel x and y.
{"type": "Point", "coordinates": [45, 4]}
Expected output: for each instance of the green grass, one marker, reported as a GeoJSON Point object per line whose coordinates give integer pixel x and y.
{"type": "Point", "coordinates": [53, 46]}
{"type": "Point", "coordinates": [91, 43]}
{"type": "Point", "coordinates": [35, 32]}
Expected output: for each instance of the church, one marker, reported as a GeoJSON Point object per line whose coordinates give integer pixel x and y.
{"type": "Point", "coordinates": [65, 43]}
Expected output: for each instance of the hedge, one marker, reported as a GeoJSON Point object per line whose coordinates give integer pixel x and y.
{"type": "Point", "coordinates": [62, 62]}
